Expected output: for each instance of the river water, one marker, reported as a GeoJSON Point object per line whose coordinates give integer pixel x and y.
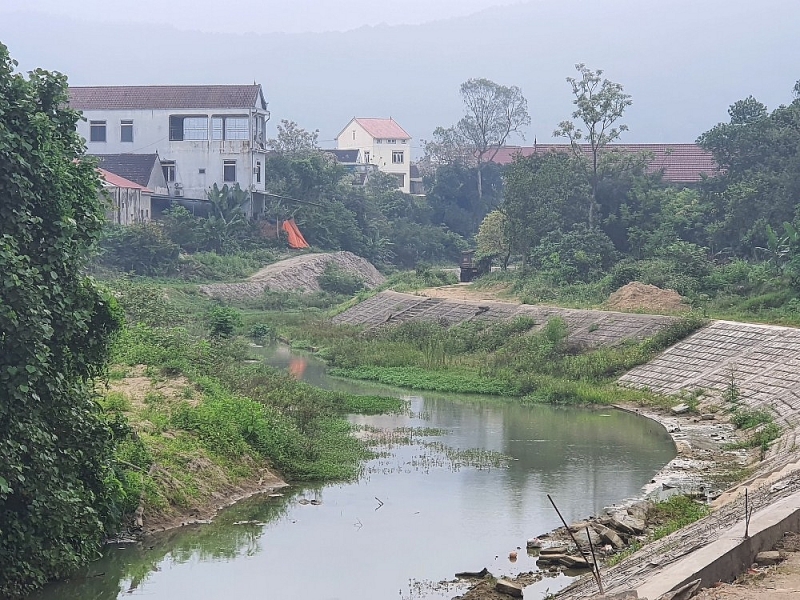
{"type": "Point", "coordinates": [421, 512]}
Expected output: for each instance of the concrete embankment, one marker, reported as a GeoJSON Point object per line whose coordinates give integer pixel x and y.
{"type": "Point", "coordinates": [762, 364]}
{"type": "Point", "coordinates": [587, 328]}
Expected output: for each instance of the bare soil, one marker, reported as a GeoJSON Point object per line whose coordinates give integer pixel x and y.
{"type": "Point", "coordinates": [779, 582]}
{"type": "Point", "coordinates": [643, 297]}
{"type": "Point", "coordinates": [465, 291]}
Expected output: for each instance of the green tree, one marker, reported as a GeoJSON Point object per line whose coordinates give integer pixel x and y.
{"type": "Point", "coordinates": [541, 194]}
{"type": "Point", "coordinates": [599, 105]}
{"type": "Point", "coordinates": [293, 139]}
{"type": "Point", "coordinates": [227, 220]}
{"type": "Point", "coordinates": [453, 198]}
{"type": "Point", "coordinates": [492, 238]}
{"type": "Point", "coordinates": [56, 501]}
{"type": "Point", "coordinates": [493, 113]}
{"type": "Point", "coordinates": [759, 156]}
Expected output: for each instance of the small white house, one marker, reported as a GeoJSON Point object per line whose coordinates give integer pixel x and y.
{"type": "Point", "coordinates": [382, 143]}
{"type": "Point", "coordinates": [203, 134]}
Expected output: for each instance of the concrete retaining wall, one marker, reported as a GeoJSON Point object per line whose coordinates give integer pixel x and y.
{"type": "Point", "coordinates": [763, 361]}
{"type": "Point", "coordinates": [587, 328]}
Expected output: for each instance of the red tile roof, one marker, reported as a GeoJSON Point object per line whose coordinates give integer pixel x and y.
{"type": "Point", "coordinates": [121, 182]}
{"type": "Point", "coordinates": [383, 128]}
{"type": "Point", "coordinates": [679, 163]}
{"type": "Point", "coordinates": [146, 97]}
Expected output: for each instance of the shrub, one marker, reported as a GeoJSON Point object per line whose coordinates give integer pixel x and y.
{"type": "Point", "coordinates": [262, 331]}
{"type": "Point", "coordinates": [143, 249]}
{"type": "Point", "coordinates": [336, 280]}
{"type": "Point", "coordinates": [580, 255]}
{"type": "Point", "coordinates": [223, 321]}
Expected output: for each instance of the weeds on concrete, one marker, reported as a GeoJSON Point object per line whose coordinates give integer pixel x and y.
{"type": "Point", "coordinates": [516, 357]}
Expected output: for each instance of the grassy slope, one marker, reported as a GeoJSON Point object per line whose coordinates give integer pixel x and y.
{"type": "Point", "coordinates": [197, 422]}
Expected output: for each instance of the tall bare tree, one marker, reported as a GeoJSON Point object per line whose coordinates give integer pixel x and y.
{"type": "Point", "coordinates": [599, 103]}
{"type": "Point", "coordinates": [493, 113]}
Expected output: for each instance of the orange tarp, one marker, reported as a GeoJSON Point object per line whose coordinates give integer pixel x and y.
{"type": "Point", "coordinates": [296, 239]}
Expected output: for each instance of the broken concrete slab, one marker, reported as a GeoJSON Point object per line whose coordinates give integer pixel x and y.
{"type": "Point", "coordinates": [679, 409]}
{"type": "Point", "coordinates": [583, 538]}
{"type": "Point", "coordinates": [610, 536]}
{"type": "Point", "coordinates": [553, 550]}
{"type": "Point", "coordinates": [771, 557]}
{"type": "Point", "coordinates": [508, 587]}
{"type": "Point", "coordinates": [684, 592]}
{"type": "Point", "coordinates": [622, 521]}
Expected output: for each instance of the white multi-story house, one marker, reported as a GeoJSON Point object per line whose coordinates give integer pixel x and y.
{"type": "Point", "coordinates": [382, 143]}
{"type": "Point", "coordinates": [203, 134]}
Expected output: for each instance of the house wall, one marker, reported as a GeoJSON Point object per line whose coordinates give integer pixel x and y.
{"type": "Point", "coordinates": [128, 206]}
{"type": "Point", "coordinates": [380, 152]}
{"type": "Point", "coordinates": [157, 183]}
{"type": "Point", "coordinates": [198, 163]}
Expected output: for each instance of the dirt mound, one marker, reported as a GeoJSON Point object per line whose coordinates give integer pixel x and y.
{"type": "Point", "coordinates": [296, 274]}
{"type": "Point", "coordinates": [645, 297]}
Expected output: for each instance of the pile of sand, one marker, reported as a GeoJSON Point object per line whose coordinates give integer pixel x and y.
{"type": "Point", "coordinates": [296, 274]}
{"type": "Point", "coordinates": [637, 296]}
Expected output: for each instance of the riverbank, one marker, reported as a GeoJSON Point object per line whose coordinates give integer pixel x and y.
{"type": "Point", "coordinates": [186, 483]}
{"type": "Point", "coordinates": [703, 467]}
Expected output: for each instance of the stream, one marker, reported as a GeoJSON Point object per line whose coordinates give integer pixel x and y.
{"type": "Point", "coordinates": [448, 501]}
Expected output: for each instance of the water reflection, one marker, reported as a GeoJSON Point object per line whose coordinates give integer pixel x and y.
{"type": "Point", "coordinates": [414, 517]}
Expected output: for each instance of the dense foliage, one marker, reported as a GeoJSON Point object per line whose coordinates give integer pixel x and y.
{"type": "Point", "coordinates": [57, 492]}
{"type": "Point", "coordinates": [729, 243]}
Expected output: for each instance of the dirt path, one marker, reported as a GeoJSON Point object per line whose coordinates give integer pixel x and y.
{"type": "Point", "coordinates": [466, 291]}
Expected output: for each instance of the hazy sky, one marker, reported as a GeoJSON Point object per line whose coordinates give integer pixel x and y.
{"type": "Point", "coordinates": [321, 62]}
{"type": "Point", "coordinates": [260, 16]}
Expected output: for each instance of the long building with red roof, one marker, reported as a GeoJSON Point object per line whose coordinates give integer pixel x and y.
{"type": "Point", "coordinates": [678, 163]}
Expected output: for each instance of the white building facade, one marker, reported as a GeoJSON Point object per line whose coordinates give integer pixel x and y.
{"type": "Point", "coordinates": [203, 134]}
{"type": "Point", "coordinates": [383, 143]}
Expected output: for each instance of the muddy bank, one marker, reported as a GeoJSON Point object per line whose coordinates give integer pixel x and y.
{"type": "Point", "coordinates": [203, 513]}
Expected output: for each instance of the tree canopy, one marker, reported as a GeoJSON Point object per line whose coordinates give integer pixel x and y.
{"type": "Point", "coordinates": [56, 493]}
{"type": "Point", "coordinates": [494, 112]}
{"type": "Point", "coordinates": [599, 105]}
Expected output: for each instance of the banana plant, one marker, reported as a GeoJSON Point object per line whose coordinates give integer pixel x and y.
{"type": "Point", "coordinates": [778, 248]}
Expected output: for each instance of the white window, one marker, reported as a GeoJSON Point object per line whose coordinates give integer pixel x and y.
{"type": "Point", "coordinates": [258, 171]}
{"type": "Point", "coordinates": [366, 156]}
{"type": "Point", "coordinates": [126, 131]}
{"type": "Point", "coordinates": [229, 171]}
{"type": "Point", "coordinates": [230, 128]}
{"type": "Point", "coordinates": [380, 141]}
{"type": "Point", "coordinates": [217, 128]}
{"type": "Point", "coordinates": [188, 128]}
{"type": "Point", "coordinates": [168, 166]}
{"type": "Point", "coordinates": [391, 141]}
{"type": "Point", "coordinates": [97, 131]}
{"type": "Point", "coordinates": [354, 134]}
{"type": "Point", "coordinates": [397, 157]}
{"type": "Point", "coordinates": [237, 128]}
{"type": "Point", "coordinates": [195, 128]}
{"type": "Point", "coordinates": [401, 179]}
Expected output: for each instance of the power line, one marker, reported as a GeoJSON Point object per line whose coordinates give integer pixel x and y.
{"type": "Point", "coordinates": [290, 199]}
